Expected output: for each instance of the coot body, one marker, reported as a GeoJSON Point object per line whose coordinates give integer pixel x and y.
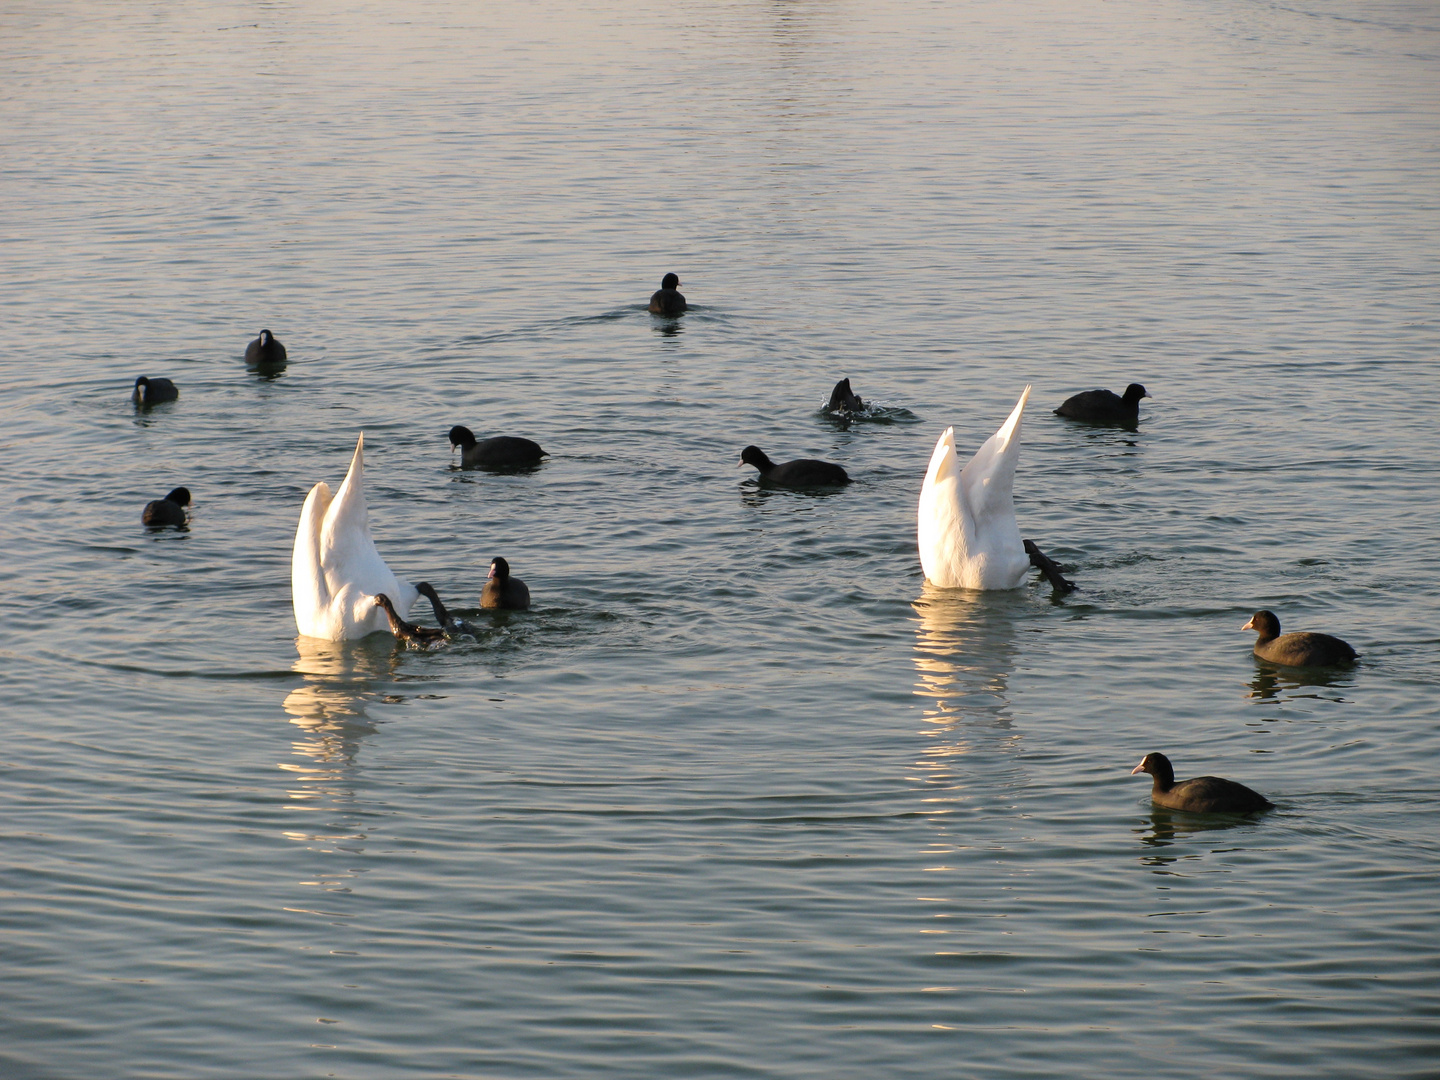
{"type": "Point", "coordinates": [497, 452]}
{"type": "Point", "coordinates": [503, 591]}
{"type": "Point", "coordinates": [844, 400]}
{"type": "Point", "coordinates": [800, 473]}
{"type": "Point", "coordinates": [265, 351]}
{"type": "Point", "coordinates": [1105, 407]}
{"type": "Point", "coordinates": [1201, 795]}
{"type": "Point", "coordinates": [1303, 649]}
{"type": "Point", "coordinates": [150, 391]}
{"type": "Point", "coordinates": [667, 300]}
{"type": "Point", "coordinates": [167, 511]}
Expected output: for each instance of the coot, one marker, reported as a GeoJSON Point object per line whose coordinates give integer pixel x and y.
{"type": "Point", "coordinates": [167, 511]}
{"type": "Point", "coordinates": [1302, 649]}
{"type": "Point", "coordinates": [1104, 407]}
{"type": "Point", "coordinates": [150, 391]}
{"type": "Point", "coordinates": [498, 452]}
{"type": "Point", "coordinates": [1202, 795]}
{"type": "Point", "coordinates": [802, 472]}
{"type": "Point", "coordinates": [503, 591]}
{"type": "Point", "coordinates": [265, 351]}
{"type": "Point", "coordinates": [666, 300]}
{"type": "Point", "coordinates": [844, 400]}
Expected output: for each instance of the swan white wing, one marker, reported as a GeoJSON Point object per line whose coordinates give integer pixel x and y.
{"type": "Point", "coordinates": [967, 531]}
{"type": "Point", "coordinates": [987, 482]}
{"type": "Point", "coordinates": [943, 532]}
{"type": "Point", "coordinates": [308, 591]}
{"type": "Point", "coordinates": [987, 491]}
{"type": "Point", "coordinates": [350, 570]}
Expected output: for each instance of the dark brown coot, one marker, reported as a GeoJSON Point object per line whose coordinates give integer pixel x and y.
{"type": "Point", "coordinates": [448, 622]}
{"type": "Point", "coordinates": [408, 631]}
{"type": "Point", "coordinates": [844, 400]}
{"type": "Point", "coordinates": [1302, 649]}
{"type": "Point", "coordinates": [667, 300]}
{"type": "Point", "coordinates": [265, 351]}
{"type": "Point", "coordinates": [802, 472]}
{"type": "Point", "coordinates": [503, 591]}
{"type": "Point", "coordinates": [1202, 795]}
{"type": "Point", "coordinates": [498, 452]}
{"type": "Point", "coordinates": [150, 391]}
{"type": "Point", "coordinates": [167, 511]}
{"type": "Point", "coordinates": [1104, 407]}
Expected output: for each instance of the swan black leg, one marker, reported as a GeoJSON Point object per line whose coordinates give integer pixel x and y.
{"type": "Point", "coordinates": [1043, 563]}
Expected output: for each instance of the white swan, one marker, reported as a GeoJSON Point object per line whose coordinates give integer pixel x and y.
{"type": "Point", "coordinates": [336, 572]}
{"type": "Point", "coordinates": [968, 535]}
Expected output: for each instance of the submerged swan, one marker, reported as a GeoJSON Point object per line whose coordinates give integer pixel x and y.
{"type": "Point", "coordinates": [336, 573]}
{"type": "Point", "coordinates": [967, 531]}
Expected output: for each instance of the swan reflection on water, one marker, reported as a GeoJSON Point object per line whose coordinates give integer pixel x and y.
{"type": "Point", "coordinates": [964, 654]}
{"type": "Point", "coordinates": [329, 707]}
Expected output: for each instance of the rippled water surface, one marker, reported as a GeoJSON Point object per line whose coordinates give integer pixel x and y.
{"type": "Point", "coordinates": [741, 796]}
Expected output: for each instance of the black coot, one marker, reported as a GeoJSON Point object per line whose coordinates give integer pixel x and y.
{"type": "Point", "coordinates": [1202, 795]}
{"type": "Point", "coordinates": [167, 511]}
{"type": "Point", "coordinates": [150, 391]}
{"type": "Point", "coordinates": [844, 400]}
{"type": "Point", "coordinates": [265, 351]}
{"type": "Point", "coordinates": [1105, 407]}
{"type": "Point", "coordinates": [1302, 649]}
{"type": "Point", "coordinates": [498, 452]}
{"type": "Point", "coordinates": [802, 472]}
{"type": "Point", "coordinates": [666, 300]}
{"type": "Point", "coordinates": [503, 591]}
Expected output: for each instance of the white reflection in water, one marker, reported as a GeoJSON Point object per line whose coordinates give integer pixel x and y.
{"type": "Point", "coordinates": [964, 653]}
{"type": "Point", "coordinates": [329, 708]}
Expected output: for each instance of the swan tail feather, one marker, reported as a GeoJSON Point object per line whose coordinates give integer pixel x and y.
{"type": "Point", "coordinates": [309, 593]}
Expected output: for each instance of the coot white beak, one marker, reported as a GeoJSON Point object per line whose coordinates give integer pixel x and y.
{"type": "Point", "coordinates": [1138, 769]}
{"type": "Point", "coordinates": [1249, 625]}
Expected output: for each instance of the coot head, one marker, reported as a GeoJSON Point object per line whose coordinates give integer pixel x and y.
{"type": "Point", "coordinates": [1134, 392]}
{"type": "Point", "coordinates": [461, 436]}
{"type": "Point", "coordinates": [1158, 766]}
{"type": "Point", "coordinates": [753, 455]}
{"type": "Point", "coordinates": [670, 281]}
{"type": "Point", "coordinates": [499, 569]}
{"type": "Point", "coordinates": [1264, 623]}
{"type": "Point", "coordinates": [180, 496]}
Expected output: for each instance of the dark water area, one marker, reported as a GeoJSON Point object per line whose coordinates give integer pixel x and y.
{"type": "Point", "coordinates": [741, 795]}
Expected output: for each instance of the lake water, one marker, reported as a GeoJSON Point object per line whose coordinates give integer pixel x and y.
{"type": "Point", "coordinates": [741, 796]}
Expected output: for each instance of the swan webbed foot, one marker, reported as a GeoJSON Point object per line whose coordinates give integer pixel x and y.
{"type": "Point", "coordinates": [1046, 566]}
